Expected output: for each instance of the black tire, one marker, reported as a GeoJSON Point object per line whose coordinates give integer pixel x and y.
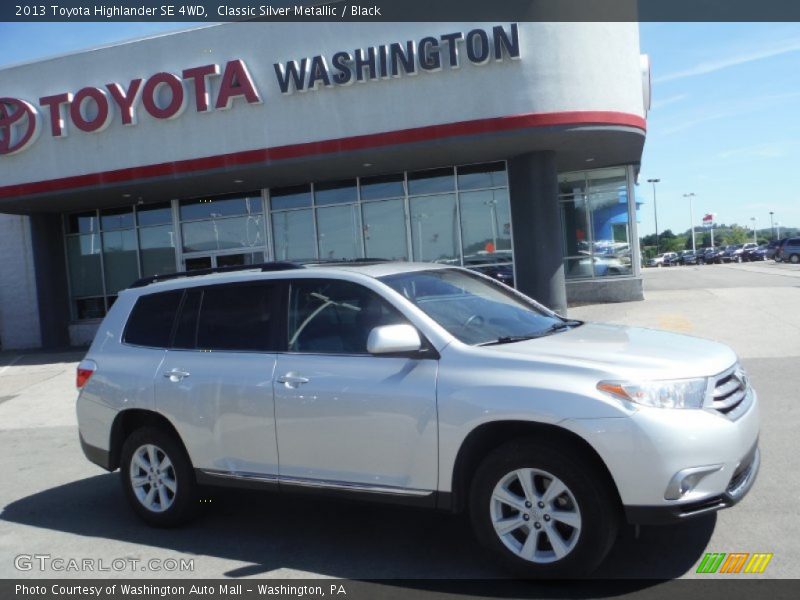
{"type": "Point", "coordinates": [794, 258]}
{"type": "Point", "coordinates": [183, 502]}
{"type": "Point", "coordinates": [596, 500]}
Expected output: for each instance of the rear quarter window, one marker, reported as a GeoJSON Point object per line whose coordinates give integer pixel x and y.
{"type": "Point", "coordinates": [151, 320]}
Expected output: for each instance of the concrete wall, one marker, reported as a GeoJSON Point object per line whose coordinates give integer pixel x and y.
{"type": "Point", "coordinates": [19, 309]}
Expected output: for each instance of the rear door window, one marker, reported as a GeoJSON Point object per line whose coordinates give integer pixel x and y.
{"type": "Point", "coordinates": [152, 319]}
{"type": "Point", "coordinates": [238, 317]}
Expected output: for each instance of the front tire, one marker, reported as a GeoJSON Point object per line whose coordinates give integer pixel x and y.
{"type": "Point", "coordinates": [158, 478]}
{"type": "Point", "coordinates": [543, 511]}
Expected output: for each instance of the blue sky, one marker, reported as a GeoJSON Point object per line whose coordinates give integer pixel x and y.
{"type": "Point", "coordinates": [724, 123]}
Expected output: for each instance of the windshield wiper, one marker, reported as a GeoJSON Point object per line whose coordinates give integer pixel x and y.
{"type": "Point", "coordinates": [555, 327]}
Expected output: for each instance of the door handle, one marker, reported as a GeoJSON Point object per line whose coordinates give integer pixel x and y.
{"type": "Point", "coordinates": [292, 380]}
{"type": "Point", "coordinates": [176, 375]}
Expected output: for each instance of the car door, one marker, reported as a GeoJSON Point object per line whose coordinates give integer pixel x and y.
{"type": "Point", "coordinates": [346, 418]}
{"type": "Point", "coordinates": [215, 383]}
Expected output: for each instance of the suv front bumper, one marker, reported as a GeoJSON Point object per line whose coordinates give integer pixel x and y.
{"type": "Point", "coordinates": [741, 483]}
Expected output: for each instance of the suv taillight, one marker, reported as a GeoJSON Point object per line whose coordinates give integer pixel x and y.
{"type": "Point", "coordinates": [86, 369]}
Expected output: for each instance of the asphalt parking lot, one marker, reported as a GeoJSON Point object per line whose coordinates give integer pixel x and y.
{"type": "Point", "coordinates": [56, 503]}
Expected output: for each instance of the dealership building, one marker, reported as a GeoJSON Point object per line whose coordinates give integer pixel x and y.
{"type": "Point", "coordinates": [496, 145]}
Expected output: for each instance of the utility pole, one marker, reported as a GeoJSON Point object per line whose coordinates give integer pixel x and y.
{"type": "Point", "coordinates": [691, 196]}
{"type": "Point", "coordinates": [753, 219]}
{"type": "Point", "coordinates": [771, 225]}
{"type": "Point", "coordinates": [655, 207]}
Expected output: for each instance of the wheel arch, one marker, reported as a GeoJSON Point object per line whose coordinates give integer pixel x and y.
{"type": "Point", "coordinates": [486, 437]}
{"type": "Point", "coordinates": [129, 420]}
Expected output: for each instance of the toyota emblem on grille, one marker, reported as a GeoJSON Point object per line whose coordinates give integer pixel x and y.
{"type": "Point", "coordinates": [19, 125]}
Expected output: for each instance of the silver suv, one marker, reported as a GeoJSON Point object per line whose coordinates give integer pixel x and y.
{"type": "Point", "coordinates": [418, 383]}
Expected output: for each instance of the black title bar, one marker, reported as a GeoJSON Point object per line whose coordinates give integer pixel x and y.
{"type": "Point", "coordinates": [396, 10]}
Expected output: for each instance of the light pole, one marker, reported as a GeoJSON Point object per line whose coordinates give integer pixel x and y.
{"type": "Point", "coordinates": [655, 207]}
{"type": "Point", "coordinates": [778, 225]}
{"type": "Point", "coordinates": [691, 196]}
{"type": "Point", "coordinates": [753, 219]}
{"type": "Point", "coordinates": [771, 225]}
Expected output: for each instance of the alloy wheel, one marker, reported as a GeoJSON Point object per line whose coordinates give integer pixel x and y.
{"type": "Point", "coordinates": [153, 479]}
{"type": "Point", "coordinates": [535, 515]}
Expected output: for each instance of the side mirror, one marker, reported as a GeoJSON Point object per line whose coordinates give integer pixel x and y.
{"type": "Point", "coordinates": [393, 339]}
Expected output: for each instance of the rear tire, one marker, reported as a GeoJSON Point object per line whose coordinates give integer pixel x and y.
{"type": "Point", "coordinates": [158, 478]}
{"type": "Point", "coordinates": [794, 259]}
{"type": "Point", "coordinates": [533, 530]}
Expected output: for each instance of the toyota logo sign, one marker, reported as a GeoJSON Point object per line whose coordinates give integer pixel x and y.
{"type": "Point", "coordinates": [19, 125]}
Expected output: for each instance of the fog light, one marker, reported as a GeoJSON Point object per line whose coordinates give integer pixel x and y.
{"type": "Point", "coordinates": [685, 480]}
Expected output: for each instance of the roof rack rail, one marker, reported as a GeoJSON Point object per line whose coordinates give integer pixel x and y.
{"type": "Point", "coordinates": [269, 266]}
{"type": "Point", "coordinates": [345, 261]}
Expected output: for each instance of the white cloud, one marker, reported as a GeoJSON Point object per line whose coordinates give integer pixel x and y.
{"type": "Point", "coordinates": [710, 66]}
{"type": "Point", "coordinates": [667, 101]}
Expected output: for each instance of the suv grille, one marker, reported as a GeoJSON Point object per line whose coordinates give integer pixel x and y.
{"type": "Point", "coordinates": [730, 392]}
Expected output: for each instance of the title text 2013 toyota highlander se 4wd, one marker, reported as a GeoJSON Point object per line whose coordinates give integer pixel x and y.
{"type": "Point", "coordinates": [423, 384]}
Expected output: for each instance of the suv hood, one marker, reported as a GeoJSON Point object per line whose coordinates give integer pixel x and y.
{"type": "Point", "coordinates": [630, 352]}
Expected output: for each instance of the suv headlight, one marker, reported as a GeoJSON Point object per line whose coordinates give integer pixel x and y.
{"type": "Point", "coordinates": [679, 393]}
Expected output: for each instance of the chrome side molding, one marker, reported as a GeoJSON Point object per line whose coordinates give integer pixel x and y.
{"type": "Point", "coordinates": [318, 483]}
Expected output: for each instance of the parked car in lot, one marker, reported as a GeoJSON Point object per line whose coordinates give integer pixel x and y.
{"type": "Point", "coordinates": [790, 251]}
{"type": "Point", "coordinates": [662, 260]}
{"type": "Point", "coordinates": [756, 254]}
{"type": "Point", "coordinates": [706, 255]}
{"type": "Point", "coordinates": [422, 384]}
{"type": "Point", "coordinates": [773, 247]}
{"type": "Point", "coordinates": [727, 254]}
{"type": "Point", "coordinates": [684, 257]}
{"type": "Point", "coordinates": [739, 252]}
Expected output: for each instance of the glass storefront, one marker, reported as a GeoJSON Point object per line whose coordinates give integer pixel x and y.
{"type": "Point", "coordinates": [595, 221]}
{"type": "Point", "coordinates": [455, 215]}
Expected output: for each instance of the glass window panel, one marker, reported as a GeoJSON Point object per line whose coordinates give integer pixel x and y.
{"type": "Point", "coordinates": [572, 183]}
{"type": "Point", "coordinates": [239, 260]}
{"type": "Point", "coordinates": [83, 258]}
{"type": "Point", "coordinates": [208, 208]}
{"type": "Point", "coordinates": [154, 214]}
{"type": "Point", "coordinates": [611, 266]}
{"type": "Point", "coordinates": [339, 232]}
{"type": "Point", "coordinates": [151, 320]}
{"type": "Point", "coordinates": [82, 223]}
{"type": "Point", "coordinates": [335, 317]}
{"type": "Point", "coordinates": [482, 176]}
{"type": "Point", "coordinates": [575, 230]}
{"type": "Point", "coordinates": [90, 308]}
{"type": "Point", "coordinates": [431, 182]}
{"type": "Point", "coordinates": [120, 259]}
{"type": "Point", "coordinates": [384, 186]}
{"type": "Point", "coordinates": [157, 250]}
{"type": "Point", "coordinates": [293, 234]}
{"type": "Point", "coordinates": [296, 196]}
{"type": "Point", "coordinates": [186, 326]}
{"type": "Point", "coordinates": [385, 229]}
{"type": "Point", "coordinates": [485, 226]}
{"type": "Point", "coordinates": [433, 228]}
{"type": "Point", "coordinates": [222, 234]}
{"type": "Point", "coordinates": [335, 192]}
{"type": "Point", "coordinates": [116, 218]}
{"type": "Point", "coordinates": [237, 318]}
{"type": "Point", "coordinates": [608, 203]}
{"type": "Point", "coordinates": [577, 268]}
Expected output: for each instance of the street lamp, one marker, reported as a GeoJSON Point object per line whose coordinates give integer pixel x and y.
{"type": "Point", "coordinates": [691, 196]}
{"type": "Point", "coordinates": [753, 219]}
{"type": "Point", "coordinates": [771, 225]}
{"type": "Point", "coordinates": [655, 207]}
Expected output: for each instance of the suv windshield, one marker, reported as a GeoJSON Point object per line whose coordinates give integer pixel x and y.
{"type": "Point", "coordinates": [472, 309]}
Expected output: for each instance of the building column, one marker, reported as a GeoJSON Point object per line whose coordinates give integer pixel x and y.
{"type": "Point", "coordinates": [536, 227]}
{"type": "Point", "coordinates": [47, 238]}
